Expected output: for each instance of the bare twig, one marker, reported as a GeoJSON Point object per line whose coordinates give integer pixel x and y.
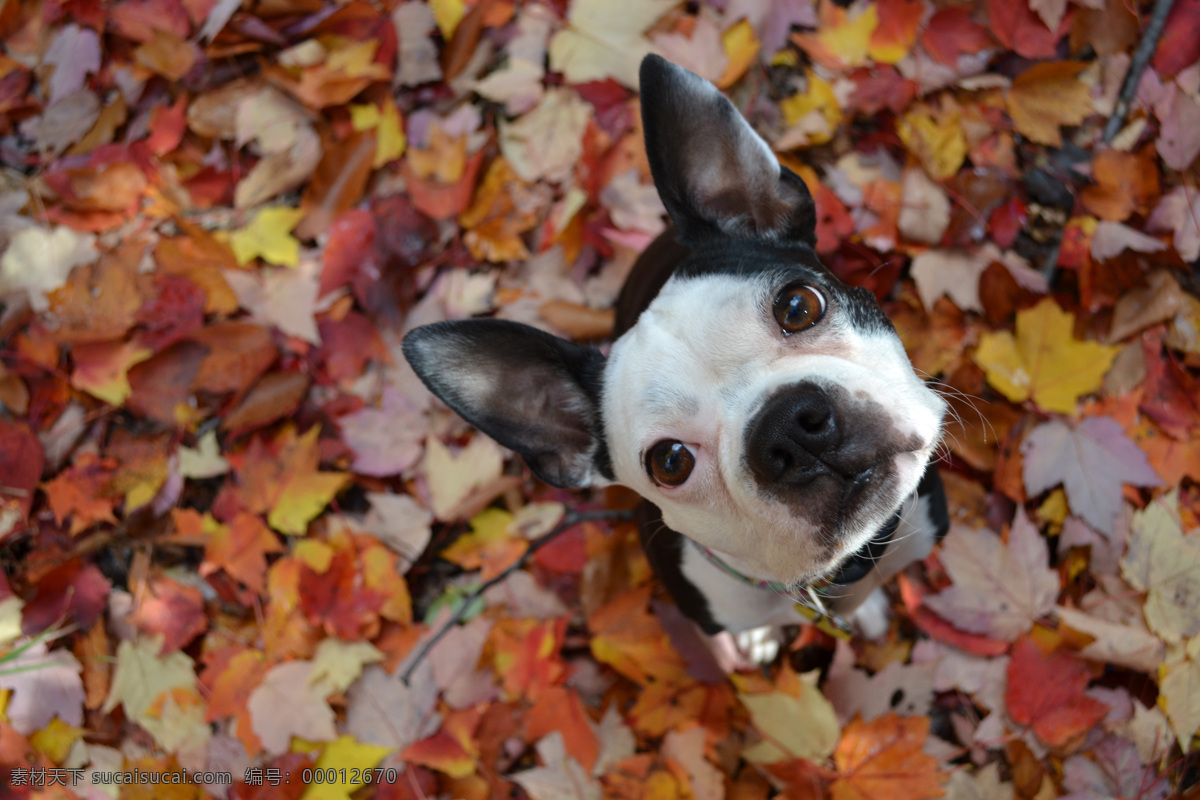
{"type": "Point", "coordinates": [1141, 58]}
{"type": "Point", "coordinates": [571, 519]}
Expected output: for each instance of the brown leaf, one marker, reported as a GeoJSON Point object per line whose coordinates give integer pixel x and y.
{"type": "Point", "coordinates": [162, 385]}
{"type": "Point", "coordinates": [1047, 96]}
{"type": "Point", "coordinates": [338, 182]}
{"type": "Point", "coordinates": [275, 396]}
{"type": "Point", "coordinates": [1124, 183]}
{"type": "Point", "coordinates": [577, 321]}
{"type": "Point", "coordinates": [238, 353]}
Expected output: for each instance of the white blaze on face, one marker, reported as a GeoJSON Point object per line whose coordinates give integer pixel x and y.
{"type": "Point", "coordinates": [699, 365]}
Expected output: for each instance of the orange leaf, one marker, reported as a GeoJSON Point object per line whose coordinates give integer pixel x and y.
{"type": "Point", "coordinates": [283, 481]}
{"type": "Point", "coordinates": [171, 609]}
{"type": "Point", "coordinates": [240, 549]}
{"type": "Point", "coordinates": [560, 709]}
{"type": "Point", "coordinates": [883, 760]}
{"type": "Point", "coordinates": [1047, 693]}
{"type": "Point", "coordinates": [231, 674]}
{"type": "Point", "coordinates": [528, 655]}
{"type": "Point", "coordinates": [627, 637]}
{"type": "Point", "coordinates": [81, 492]}
{"type": "Point", "coordinates": [1125, 183]}
{"type": "Point", "coordinates": [452, 749]}
{"type": "Point", "coordinates": [1046, 96]}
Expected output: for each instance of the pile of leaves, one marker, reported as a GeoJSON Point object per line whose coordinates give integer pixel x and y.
{"type": "Point", "coordinates": [231, 518]}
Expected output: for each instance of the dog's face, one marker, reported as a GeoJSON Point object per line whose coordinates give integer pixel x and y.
{"type": "Point", "coordinates": [767, 409]}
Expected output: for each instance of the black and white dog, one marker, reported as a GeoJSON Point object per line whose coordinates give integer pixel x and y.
{"type": "Point", "coordinates": [767, 412]}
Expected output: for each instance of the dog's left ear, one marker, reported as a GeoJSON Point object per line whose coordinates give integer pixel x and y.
{"type": "Point", "coordinates": [534, 393]}
{"type": "Point", "coordinates": [713, 172]}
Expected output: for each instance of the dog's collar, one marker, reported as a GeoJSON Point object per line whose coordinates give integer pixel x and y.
{"type": "Point", "coordinates": [809, 600]}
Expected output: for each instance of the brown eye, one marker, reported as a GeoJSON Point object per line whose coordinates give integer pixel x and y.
{"type": "Point", "coordinates": [669, 462]}
{"type": "Point", "coordinates": [798, 307]}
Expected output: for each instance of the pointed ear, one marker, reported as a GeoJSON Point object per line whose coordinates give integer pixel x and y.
{"type": "Point", "coordinates": [534, 393]}
{"type": "Point", "coordinates": [713, 172]}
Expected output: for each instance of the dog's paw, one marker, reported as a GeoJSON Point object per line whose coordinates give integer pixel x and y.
{"type": "Point", "coordinates": [871, 618]}
{"type": "Point", "coordinates": [759, 645]}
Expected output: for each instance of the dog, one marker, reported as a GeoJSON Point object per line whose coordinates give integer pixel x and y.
{"type": "Point", "coordinates": [767, 412]}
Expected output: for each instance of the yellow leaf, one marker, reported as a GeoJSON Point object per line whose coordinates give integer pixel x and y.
{"type": "Point", "coordinates": [314, 553]}
{"type": "Point", "coordinates": [389, 133]}
{"type": "Point", "coordinates": [1165, 564]}
{"type": "Point", "coordinates": [102, 368]}
{"type": "Point", "coordinates": [776, 715]}
{"type": "Point", "coordinates": [338, 664]}
{"type": "Point", "coordinates": [269, 236]}
{"type": "Point", "coordinates": [10, 620]}
{"type": "Point", "coordinates": [490, 545]}
{"type": "Point", "coordinates": [353, 59]}
{"type": "Point", "coordinates": [1046, 96]}
{"type": "Point", "coordinates": [596, 43]}
{"type": "Point", "coordinates": [1179, 694]}
{"type": "Point", "coordinates": [1044, 361]}
{"type": "Point", "coordinates": [819, 101]}
{"type": "Point", "coordinates": [282, 479]}
{"type": "Point", "coordinates": [347, 757]}
{"type": "Point", "coordinates": [936, 140]}
{"type": "Point", "coordinates": [452, 477]}
{"type": "Point", "coordinates": [447, 14]}
{"type": "Point", "coordinates": [742, 46]}
{"type": "Point", "coordinates": [840, 42]}
{"type": "Point", "coordinates": [55, 740]}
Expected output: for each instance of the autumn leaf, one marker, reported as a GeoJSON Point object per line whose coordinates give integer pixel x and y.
{"type": "Point", "coordinates": [1046, 692]}
{"type": "Point", "coordinates": [268, 236]}
{"type": "Point", "coordinates": [1044, 361]}
{"type": "Point", "coordinates": [282, 480]}
{"type": "Point", "coordinates": [1047, 96]}
{"type": "Point", "coordinates": [489, 545]}
{"type": "Point", "coordinates": [799, 723]}
{"type": "Point", "coordinates": [884, 759]}
{"type": "Point", "coordinates": [1091, 461]}
{"type": "Point", "coordinates": [1000, 589]}
{"type": "Point", "coordinates": [1165, 564]}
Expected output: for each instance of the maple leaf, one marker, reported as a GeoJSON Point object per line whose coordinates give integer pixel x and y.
{"type": "Point", "coordinates": [240, 548]}
{"type": "Point", "coordinates": [547, 142]}
{"type": "Point", "coordinates": [1044, 361]}
{"type": "Point", "coordinates": [883, 760]}
{"type": "Point", "coordinates": [452, 750]}
{"type": "Point", "coordinates": [286, 704]}
{"type": "Point", "coordinates": [1091, 461]}
{"type": "Point", "coordinates": [452, 478]}
{"type": "Point", "coordinates": [81, 492]}
{"type": "Point", "coordinates": [355, 758]}
{"type": "Point", "coordinates": [1047, 96]}
{"type": "Point", "coordinates": [795, 722]}
{"type": "Point", "coordinates": [143, 677]}
{"type": "Point", "coordinates": [999, 589]}
{"type": "Point", "coordinates": [38, 262]}
{"type": "Point", "coordinates": [269, 236]}
{"type": "Point", "coordinates": [45, 684]}
{"type": "Point", "coordinates": [1046, 692]}
{"type": "Point", "coordinates": [1165, 564]}
{"type": "Point", "coordinates": [283, 298]}
{"type": "Point", "coordinates": [283, 481]}
{"type": "Point", "coordinates": [170, 609]}
{"type": "Point", "coordinates": [489, 545]}
{"type": "Point", "coordinates": [597, 44]}
{"type": "Point", "coordinates": [562, 778]}
{"type": "Point", "coordinates": [1179, 691]}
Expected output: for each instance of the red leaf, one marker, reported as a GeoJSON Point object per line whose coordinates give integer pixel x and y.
{"type": "Point", "coordinates": [950, 33]}
{"type": "Point", "coordinates": [172, 609]}
{"type": "Point", "coordinates": [21, 461]}
{"type": "Point", "coordinates": [1179, 46]}
{"type": "Point", "coordinates": [1016, 25]}
{"type": "Point", "coordinates": [1047, 693]}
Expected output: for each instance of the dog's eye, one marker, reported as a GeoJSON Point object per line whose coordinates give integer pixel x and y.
{"type": "Point", "coordinates": [798, 307]}
{"type": "Point", "coordinates": [669, 462]}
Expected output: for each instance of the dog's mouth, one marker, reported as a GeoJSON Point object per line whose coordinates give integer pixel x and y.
{"type": "Point", "coordinates": [864, 559]}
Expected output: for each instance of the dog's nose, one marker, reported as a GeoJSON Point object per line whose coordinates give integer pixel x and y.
{"type": "Point", "coordinates": [790, 436]}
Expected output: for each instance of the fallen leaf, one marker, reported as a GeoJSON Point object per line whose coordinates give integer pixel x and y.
{"type": "Point", "coordinates": [775, 715]}
{"type": "Point", "coordinates": [884, 759]}
{"type": "Point", "coordinates": [282, 479]}
{"type": "Point", "coordinates": [562, 778]}
{"type": "Point", "coordinates": [1046, 692]}
{"type": "Point", "coordinates": [1000, 589]}
{"type": "Point", "coordinates": [596, 44]}
{"type": "Point", "coordinates": [37, 262]}
{"type": "Point", "coordinates": [286, 704]}
{"type": "Point", "coordinates": [1091, 461]}
{"type": "Point", "coordinates": [1044, 361]}
{"type": "Point", "coordinates": [1165, 564]}
{"type": "Point", "coordinates": [269, 236]}
{"type": "Point", "coordinates": [45, 684]}
{"type": "Point", "coordinates": [1048, 96]}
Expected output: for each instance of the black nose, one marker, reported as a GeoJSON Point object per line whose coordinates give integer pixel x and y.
{"type": "Point", "coordinates": [788, 439]}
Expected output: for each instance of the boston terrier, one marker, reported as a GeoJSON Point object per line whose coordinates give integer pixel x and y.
{"type": "Point", "coordinates": [767, 412]}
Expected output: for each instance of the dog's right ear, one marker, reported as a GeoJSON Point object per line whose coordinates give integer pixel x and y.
{"type": "Point", "coordinates": [713, 172]}
{"type": "Point", "coordinates": [534, 393]}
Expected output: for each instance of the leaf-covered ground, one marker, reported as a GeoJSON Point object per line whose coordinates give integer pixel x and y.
{"type": "Point", "coordinates": [231, 518]}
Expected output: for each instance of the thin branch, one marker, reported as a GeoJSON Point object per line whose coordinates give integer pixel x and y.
{"type": "Point", "coordinates": [1141, 58]}
{"type": "Point", "coordinates": [571, 519]}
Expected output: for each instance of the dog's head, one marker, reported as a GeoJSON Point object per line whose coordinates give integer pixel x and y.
{"type": "Point", "coordinates": [766, 408]}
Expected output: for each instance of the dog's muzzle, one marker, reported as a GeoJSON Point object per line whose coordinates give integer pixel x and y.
{"type": "Point", "coordinates": [799, 436]}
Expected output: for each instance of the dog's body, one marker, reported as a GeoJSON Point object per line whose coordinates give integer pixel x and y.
{"type": "Point", "coordinates": [766, 411]}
